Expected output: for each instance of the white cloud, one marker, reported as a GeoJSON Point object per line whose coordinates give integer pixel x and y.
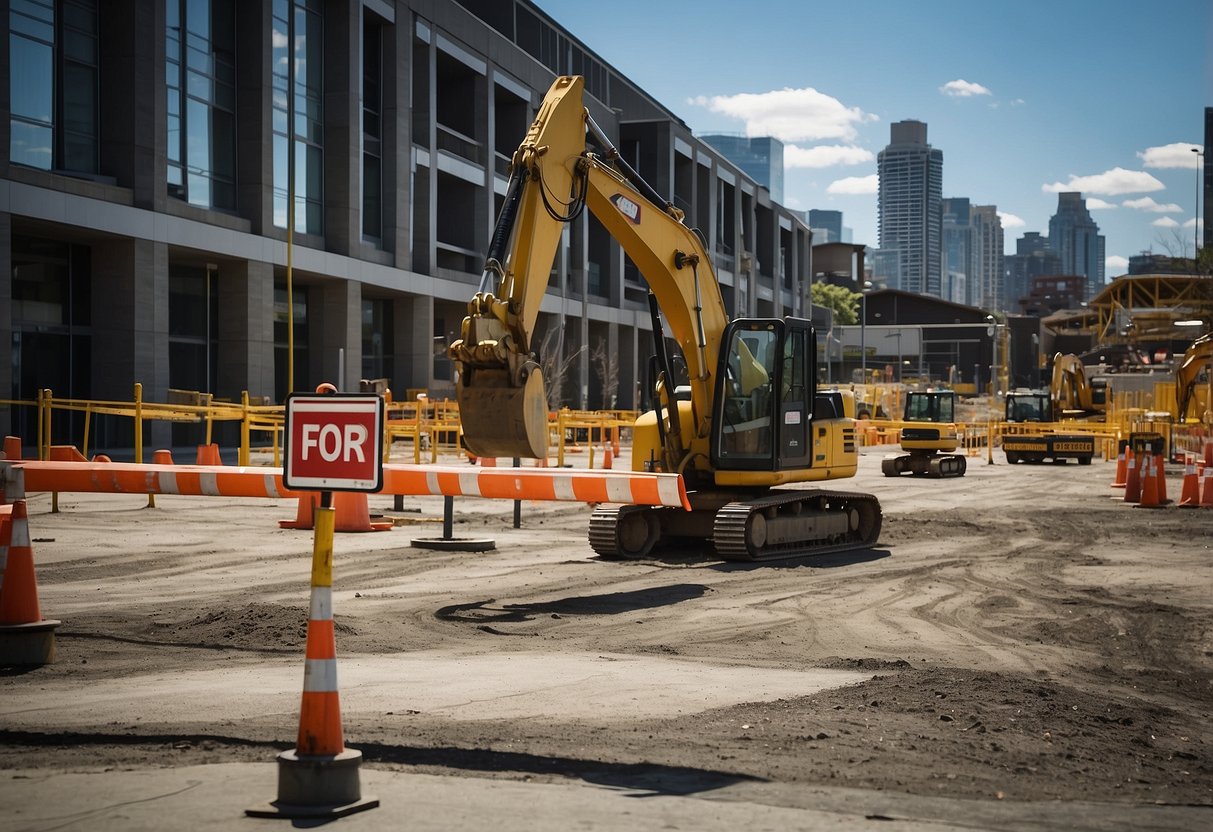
{"type": "Point", "coordinates": [1096, 204]}
{"type": "Point", "coordinates": [1194, 223]}
{"type": "Point", "coordinates": [789, 115]}
{"type": "Point", "coordinates": [1175, 155]}
{"type": "Point", "coordinates": [1147, 203]}
{"type": "Point", "coordinates": [1165, 222]}
{"type": "Point", "coordinates": [1010, 220]}
{"type": "Point", "coordinates": [825, 156]}
{"type": "Point", "coordinates": [1115, 264]}
{"type": "Point", "coordinates": [1109, 183]}
{"type": "Point", "coordinates": [963, 89]}
{"type": "Point", "coordinates": [1018, 102]}
{"type": "Point", "coordinates": [854, 185]}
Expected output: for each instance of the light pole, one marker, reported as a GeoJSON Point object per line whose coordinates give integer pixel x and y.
{"type": "Point", "coordinates": [1196, 218]}
{"type": "Point", "coordinates": [864, 285]}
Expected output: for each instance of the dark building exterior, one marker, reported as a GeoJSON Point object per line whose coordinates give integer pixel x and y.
{"type": "Point", "coordinates": [909, 200]}
{"type": "Point", "coordinates": [909, 335]}
{"type": "Point", "coordinates": [158, 150]}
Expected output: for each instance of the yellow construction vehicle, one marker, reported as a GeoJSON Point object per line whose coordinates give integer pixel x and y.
{"type": "Point", "coordinates": [1194, 381]}
{"type": "Point", "coordinates": [929, 439]}
{"type": "Point", "coordinates": [1073, 396]}
{"type": "Point", "coordinates": [752, 419]}
{"type": "Point", "coordinates": [1025, 441]}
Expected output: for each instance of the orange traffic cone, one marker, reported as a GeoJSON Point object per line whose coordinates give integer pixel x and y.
{"type": "Point", "coordinates": [1122, 468]}
{"type": "Point", "coordinates": [1160, 471]}
{"type": "Point", "coordinates": [354, 513]}
{"type": "Point", "coordinates": [1206, 488]}
{"type": "Point", "coordinates": [607, 458]}
{"type": "Point", "coordinates": [1133, 478]}
{"type": "Point", "coordinates": [1190, 496]}
{"type": "Point", "coordinates": [12, 447]}
{"type": "Point", "coordinates": [163, 457]}
{"type": "Point", "coordinates": [66, 453]}
{"type": "Point", "coordinates": [1149, 484]}
{"type": "Point", "coordinates": [303, 515]}
{"type": "Point", "coordinates": [209, 455]}
{"type": "Point", "coordinates": [26, 638]}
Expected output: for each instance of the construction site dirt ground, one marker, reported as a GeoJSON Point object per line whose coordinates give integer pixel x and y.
{"type": "Point", "coordinates": [1021, 650]}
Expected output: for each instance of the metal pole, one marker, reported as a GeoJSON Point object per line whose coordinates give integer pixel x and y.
{"type": "Point", "coordinates": [1196, 218]}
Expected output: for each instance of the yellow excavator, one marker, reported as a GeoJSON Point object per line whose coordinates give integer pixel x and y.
{"type": "Point", "coordinates": [752, 420]}
{"type": "Point", "coordinates": [928, 438]}
{"type": "Point", "coordinates": [1194, 381]}
{"type": "Point", "coordinates": [1073, 396]}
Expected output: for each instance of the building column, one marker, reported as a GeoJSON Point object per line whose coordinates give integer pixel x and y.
{"type": "Point", "coordinates": [254, 109]}
{"type": "Point", "coordinates": [131, 325]}
{"type": "Point", "coordinates": [415, 342]}
{"type": "Point", "coordinates": [6, 318]}
{"type": "Point", "coordinates": [246, 329]}
{"type": "Point", "coordinates": [340, 328]}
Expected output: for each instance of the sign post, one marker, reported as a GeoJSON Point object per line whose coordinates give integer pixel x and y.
{"type": "Point", "coordinates": [334, 442]}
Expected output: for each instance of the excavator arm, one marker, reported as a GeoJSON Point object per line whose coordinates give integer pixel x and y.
{"type": "Point", "coordinates": [554, 175]}
{"type": "Point", "coordinates": [1197, 358]}
{"type": "Point", "coordinates": [1068, 390]}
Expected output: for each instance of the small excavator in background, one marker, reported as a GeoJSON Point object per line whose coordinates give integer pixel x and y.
{"type": "Point", "coordinates": [929, 438]}
{"type": "Point", "coordinates": [1073, 396]}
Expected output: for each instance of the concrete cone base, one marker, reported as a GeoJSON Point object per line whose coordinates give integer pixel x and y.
{"type": "Point", "coordinates": [316, 787]}
{"type": "Point", "coordinates": [27, 644]}
{"type": "Point", "coordinates": [454, 544]}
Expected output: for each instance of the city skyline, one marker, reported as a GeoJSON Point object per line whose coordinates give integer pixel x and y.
{"type": "Point", "coordinates": [1095, 97]}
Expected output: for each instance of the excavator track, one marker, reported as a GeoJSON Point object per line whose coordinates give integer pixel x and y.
{"type": "Point", "coordinates": [776, 525]}
{"type": "Point", "coordinates": [791, 524]}
{"type": "Point", "coordinates": [618, 532]}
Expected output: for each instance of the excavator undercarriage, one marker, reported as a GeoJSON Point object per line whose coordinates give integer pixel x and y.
{"type": "Point", "coordinates": [767, 525]}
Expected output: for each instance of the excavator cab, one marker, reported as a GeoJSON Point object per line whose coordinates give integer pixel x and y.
{"type": "Point", "coordinates": [764, 396]}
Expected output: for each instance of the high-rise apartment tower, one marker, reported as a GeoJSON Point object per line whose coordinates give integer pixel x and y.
{"type": "Point", "coordinates": [910, 193]}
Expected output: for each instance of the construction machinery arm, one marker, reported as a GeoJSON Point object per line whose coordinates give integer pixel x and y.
{"type": "Point", "coordinates": [554, 175]}
{"type": "Point", "coordinates": [1068, 389]}
{"type": "Point", "coordinates": [1198, 357]}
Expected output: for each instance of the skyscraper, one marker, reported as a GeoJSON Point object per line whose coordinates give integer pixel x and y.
{"type": "Point", "coordinates": [987, 257]}
{"type": "Point", "coordinates": [957, 268]}
{"type": "Point", "coordinates": [761, 157]}
{"type": "Point", "coordinates": [910, 193]}
{"type": "Point", "coordinates": [1033, 257]}
{"type": "Point", "coordinates": [1076, 239]}
{"type": "Point", "coordinates": [826, 225]}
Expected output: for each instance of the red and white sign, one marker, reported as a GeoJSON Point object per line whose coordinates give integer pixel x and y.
{"type": "Point", "coordinates": [334, 442]}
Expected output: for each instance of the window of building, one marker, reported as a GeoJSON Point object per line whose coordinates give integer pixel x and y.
{"type": "Point", "coordinates": [52, 335]}
{"type": "Point", "coordinates": [53, 84]}
{"type": "Point", "coordinates": [200, 76]}
{"type": "Point", "coordinates": [193, 325]}
{"type": "Point", "coordinates": [298, 115]}
{"type": "Point", "coordinates": [372, 131]}
{"type": "Point", "coordinates": [377, 339]}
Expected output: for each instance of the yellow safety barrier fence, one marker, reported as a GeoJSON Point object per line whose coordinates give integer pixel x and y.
{"type": "Point", "coordinates": [264, 418]}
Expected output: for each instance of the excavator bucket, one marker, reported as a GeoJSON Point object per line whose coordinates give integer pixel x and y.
{"type": "Point", "coordinates": [500, 420]}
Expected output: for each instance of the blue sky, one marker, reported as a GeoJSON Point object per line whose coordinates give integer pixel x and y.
{"type": "Point", "coordinates": [1106, 97]}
